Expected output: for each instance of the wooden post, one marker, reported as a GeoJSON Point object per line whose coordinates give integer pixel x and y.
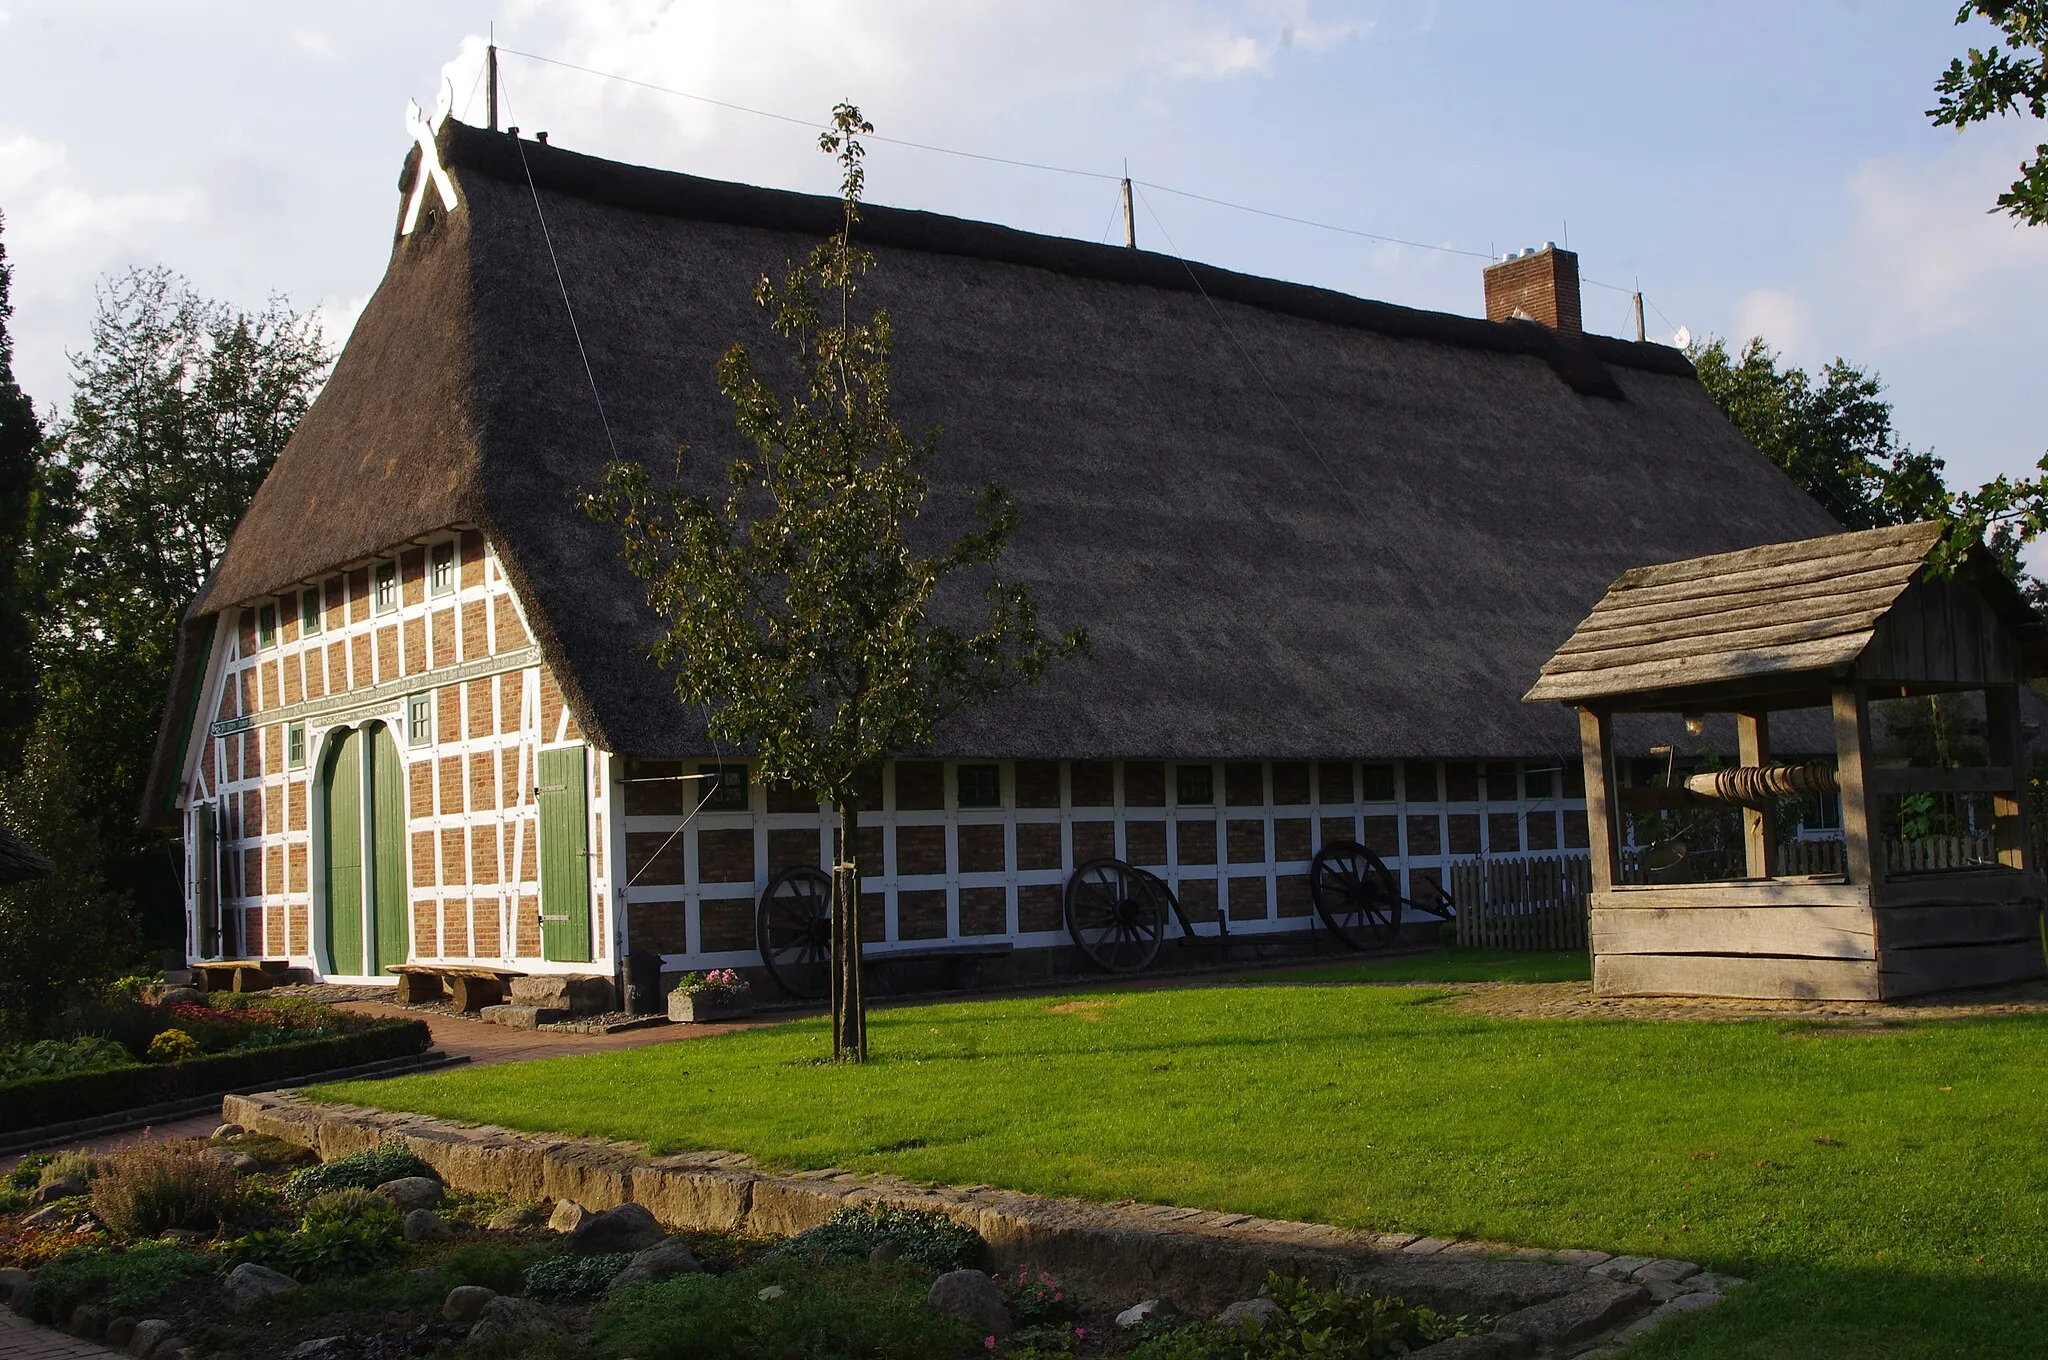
{"type": "Point", "coordinates": [1130, 217]}
{"type": "Point", "coordinates": [1862, 852]}
{"type": "Point", "coordinates": [1759, 824]}
{"type": "Point", "coordinates": [1603, 829]}
{"type": "Point", "coordinates": [2008, 743]}
{"type": "Point", "coordinates": [1640, 336]}
{"type": "Point", "coordinates": [491, 83]}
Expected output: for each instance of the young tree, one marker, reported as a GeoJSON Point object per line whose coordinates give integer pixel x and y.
{"type": "Point", "coordinates": [20, 433]}
{"type": "Point", "coordinates": [1995, 82]}
{"type": "Point", "coordinates": [180, 406]}
{"type": "Point", "coordinates": [799, 612]}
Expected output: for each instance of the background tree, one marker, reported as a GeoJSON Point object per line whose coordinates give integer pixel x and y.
{"type": "Point", "coordinates": [1998, 81]}
{"type": "Point", "coordinates": [20, 433]}
{"type": "Point", "coordinates": [800, 613]}
{"type": "Point", "coordinates": [180, 405]}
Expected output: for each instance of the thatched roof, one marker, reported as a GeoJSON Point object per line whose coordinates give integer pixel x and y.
{"type": "Point", "coordinates": [1767, 615]}
{"type": "Point", "coordinates": [1295, 523]}
{"type": "Point", "coordinates": [18, 862]}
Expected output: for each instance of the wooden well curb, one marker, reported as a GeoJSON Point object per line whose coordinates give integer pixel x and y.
{"type": "Point", "coordinates": [1546, 1302]}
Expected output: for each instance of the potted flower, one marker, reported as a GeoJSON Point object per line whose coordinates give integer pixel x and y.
{"type": "Point", "coordinates": [721, 994]}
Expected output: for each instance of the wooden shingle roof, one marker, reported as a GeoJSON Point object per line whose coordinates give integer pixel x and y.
{"type": "Point", "coordinates": [1779, 611]}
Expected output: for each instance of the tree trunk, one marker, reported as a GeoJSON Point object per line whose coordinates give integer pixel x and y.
{"type": "Point", "coordinates": [849, 995]}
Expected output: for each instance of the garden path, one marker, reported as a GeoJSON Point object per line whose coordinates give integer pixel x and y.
{"type": "Point", "coordinates": [21, 1339]}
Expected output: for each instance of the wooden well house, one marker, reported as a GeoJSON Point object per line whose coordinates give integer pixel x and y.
{"type": "Point", "coordinates": [1822, 635]}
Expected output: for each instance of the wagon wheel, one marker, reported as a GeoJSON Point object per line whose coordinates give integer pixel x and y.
{"type": "Point", "coordinates": [1115, 915]}
{"type": "Point", "coordinates": [793, 927]}
{"type": "Point", "coordinates": [1355, 895]}
{"type": "Point", "coordinates": [1187, 927]}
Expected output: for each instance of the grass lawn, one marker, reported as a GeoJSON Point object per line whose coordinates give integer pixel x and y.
{"type": "Point", "coordinates": [1886, 1189]}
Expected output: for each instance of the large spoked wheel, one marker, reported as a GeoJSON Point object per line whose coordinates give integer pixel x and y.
{"type": "Point", "coordinates": [1355, 895]}
{"type": "Point", "coordinates": [793, 927]}
{"type": "Point", "coordinates": [1187, 927]}
{"type": "Point", "coordinates": [1115, 915]}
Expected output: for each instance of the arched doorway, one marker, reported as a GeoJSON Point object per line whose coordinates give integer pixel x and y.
{"type": "Point", "coordinates": [366, 918]}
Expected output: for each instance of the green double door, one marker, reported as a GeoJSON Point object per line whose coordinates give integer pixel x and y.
{"type": "Point", "coordinates": [365, 869]}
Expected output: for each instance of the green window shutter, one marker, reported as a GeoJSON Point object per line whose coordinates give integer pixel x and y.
{"type": "Point", "coordinates": [564, 856]}
{"type": "Point", "coordinates": [343, 783]}
{"type": "Point", "coordinates": [388, 843]}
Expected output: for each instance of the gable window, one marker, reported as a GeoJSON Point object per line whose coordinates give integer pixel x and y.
{"type": "Point", "coordinates": [981, 786]}
{"type": "Point", "coordinates": [387, 587]}
{"type": "Point", "coordinates": [441, 568]}
{"type": "Point", "coordinates": [309, 610]}
{"type": "Point", "coordinates": [1194, 785]}
{"type": "Point", "coordinates": [419, 720]}
{"type": "Point", "coordinates": [727, 793]}
{"type": "Point", "coordinates": [1379, 783]}
{"type": "Point", "coordinates": [266, 626]}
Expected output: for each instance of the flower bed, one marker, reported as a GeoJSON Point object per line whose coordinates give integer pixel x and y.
{"type": "Point", "coordinates": [215, 1048]}
{"type": "Point", "coordinates": [721, 994]}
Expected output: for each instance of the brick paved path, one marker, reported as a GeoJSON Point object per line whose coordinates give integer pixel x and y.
{"type": "Point", "coordinates": [21, 1339]}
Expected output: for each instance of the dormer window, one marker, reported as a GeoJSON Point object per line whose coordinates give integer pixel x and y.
{"type": "Point", "coordinates": [441, 568]}
{"type": "Point", "coordinates": [387, 587]}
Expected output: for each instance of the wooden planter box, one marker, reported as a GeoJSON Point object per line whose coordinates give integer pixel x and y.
{"type": "Point", "coordinates": [722, 1003]}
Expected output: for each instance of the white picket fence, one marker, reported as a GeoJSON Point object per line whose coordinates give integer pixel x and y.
{"type": "Point", "coordinates": [1526, 902]}
{"type": "Point", "coordinates": [1919, 855]}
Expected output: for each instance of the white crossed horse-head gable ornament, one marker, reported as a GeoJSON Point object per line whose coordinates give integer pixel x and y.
{"type": "Point", "coordinates": [431, 170]}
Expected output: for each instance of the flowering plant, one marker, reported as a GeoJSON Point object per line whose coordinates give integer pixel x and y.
{"type": "Point", "coordinates": [1034, 1297]}
{"type": "Point", "coordinates": [717, 980]}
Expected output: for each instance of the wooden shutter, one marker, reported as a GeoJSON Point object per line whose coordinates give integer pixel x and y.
{"type": "Point", "coordinates": [564, 856]}
{"type": "Point", "coordinates": [393, 937]}
{"type": "Point", "coordinates": [344, 876]}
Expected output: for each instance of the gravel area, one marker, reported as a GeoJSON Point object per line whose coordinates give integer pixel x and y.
{"type": "Point", "coordinates": [610, 1022]}
{"type": "Point", "coordinates": [1575, 1001]}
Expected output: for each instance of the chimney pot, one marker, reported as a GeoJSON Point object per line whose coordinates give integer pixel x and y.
{"type": "Point", "coordinates": [541, 137]}
{"type": "Point", "coordinates": [1541, 285]}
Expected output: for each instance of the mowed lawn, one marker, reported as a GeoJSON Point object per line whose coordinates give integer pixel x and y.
{"type": "Point", "coordinates": [1886, 1189]}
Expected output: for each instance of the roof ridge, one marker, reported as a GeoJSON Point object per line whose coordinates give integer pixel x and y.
{"type": "Point", "coordinates": [1581, 361]}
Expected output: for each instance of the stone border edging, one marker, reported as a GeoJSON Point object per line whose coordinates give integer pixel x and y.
{"type": "Point", "coordinates": [1546, 1302]}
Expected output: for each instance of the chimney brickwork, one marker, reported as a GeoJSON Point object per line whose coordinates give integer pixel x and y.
{"type": "Point", "coordinates": [1540, 284]}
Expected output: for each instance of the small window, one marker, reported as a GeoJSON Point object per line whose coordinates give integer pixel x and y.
{"type": "Point", "coordinates": [1537, 783]}
{"type": "Point", "coordinates": [266, 626]}
{"type": "Point", "coordinates": [1194, 785]}
{"type": "Point", "coordinates": [981, 786]}
{"type": "Point", "coordinates": [309, 610]}
{"type": "Point", "coordinates": [441, 571]}
{"type": "Point", "coordinates": [1379, 783]}
{"type": "Point", "coordinates": [419, 720]}
{"type": "Point", "coordinates": [387, 587]}
{"type": "Point", "coordinates": [295, 746]}
{"type": "Point", "coordinates": [728, 793]}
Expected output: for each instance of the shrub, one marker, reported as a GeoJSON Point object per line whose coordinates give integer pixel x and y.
{"type": "Point", "coordinates": [1036, 1299]}
{"type": "Point", "coordinates": [563, 1278]}
{"type": "Point", "coordinates": [350, 1204]}
{"type": "Point", "coordinates": [327, 1248]}
{"type": "Point", "coordinates": [54, 1057]}
{"type": "Point", "coordinates": [69, 1165]}
{"type": "Point", "coordinates": [493, 1266]}
{"type": "Point", "coordinates": [367, 1169]}
{"type": "Point", "coordinates": [12, 1199]}
{"type": "Point", "coordinates": [923, 1237]}
{"type": "Point", "coordinates": [173, 1045]}
{"type": "Point", "coordinates": [1310, 1322]}
{"type": "Point", "coordinates": [135, 1278]}
{"type": "Point", "coordinates": [834, 1311]}
{"type": "Point", "coordinates": [151, 1186]}
{"type": "Point", "coordinates": [28, 1171]}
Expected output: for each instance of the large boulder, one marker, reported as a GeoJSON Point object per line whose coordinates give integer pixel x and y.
{"type": "Point", "coordinates": [662, 1261]}
{"type": "Point", "coordinates": [412, 1192]}
{"type": "Point", "coordinates": [629, 1227]}
{"type": "Point", "coordinates": [576, 993]}
{"type": "Point", "coordinates": [568, 1216]}
{"type": "Point", "coordinates": [14, 1286]}
{"type": "Point", "coordinates": [973, 1298]}
{"type": "Point", "coordinates": [516, 1217]}
{"type": "Point", "coordinates": [1253, 1312]}
{"type": "Point", "coordinates": [465, 1304]}
{"type": "Point", "coordinates": [424, 1225]}
{"type": "Point", "coordinates": [64, 1187]}
{"type": "Point", "coordinates": [248, 1283]}
{"type": "Point", "coordinates": [321, 1348]}
{"type": "Point", "coordinates": [504, 1321]}
{"type": "Point", "coordinates": [149, 1334]}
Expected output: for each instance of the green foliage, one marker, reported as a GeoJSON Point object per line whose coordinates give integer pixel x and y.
{"type": "Point", "coordinates": [135, 1278]}
{"type": "Point", "coordinates": [70, 1165]}
{"type": "Point", "coordinates": [494, 1266]}
{"type": "Point", "coordinates": [56, 1057]}
{"type": "Point", "coordinates": [836, 1310]}
{"type": "Point", "coordinates": [28, 1172]}
{"type": "Point", "coordinates": [20, 434]}
{"type": "Point", "coordinates": [1036, 1299]}
{"type": "Point", "coordinates": [1995, 82]}
{"type": "Point", "coordinates": [563, 1278]}
{"type": "Point", "coordinates": [367, 1169]}
{"type": "Point", "coordinates": [12, 1199]}
{"type": "Point", "coordinates": [349, 1231]}
{"type": "Point", "coordinates": [350, 1204]}
{"type": "Point", "coordinates": [1311, 1322]}
{"type": "Point", "coordinates": [150, 1186]}
{"type": "Point", "coordinates": [923, 1237]}
{"type": "Point", "coordinates": [179, 406]}
{"type": "Point", "coordinates": [801, 613]}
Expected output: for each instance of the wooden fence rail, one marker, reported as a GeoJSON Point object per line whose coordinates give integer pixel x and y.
{"type": "Point", "coordinates": [1528, 902]}
{"type": "Point", "coordinates": [1900, 856]}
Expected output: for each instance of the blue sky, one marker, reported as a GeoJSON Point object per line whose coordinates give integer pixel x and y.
{"type": "Point", "coordinates": [1759, 168]}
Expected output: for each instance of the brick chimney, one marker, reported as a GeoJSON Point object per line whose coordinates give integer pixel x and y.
{"type": "Point", "coordinates": [1536, 285]}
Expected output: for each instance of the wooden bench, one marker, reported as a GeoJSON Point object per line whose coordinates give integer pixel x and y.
{"type": "Point", "coordinates": [472, 988]}
{"type": "Point", "coordinates": [239, 975]}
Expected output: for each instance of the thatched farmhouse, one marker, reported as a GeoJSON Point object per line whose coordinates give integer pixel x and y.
{"type": "Point", "coordinates": [1321, 546]}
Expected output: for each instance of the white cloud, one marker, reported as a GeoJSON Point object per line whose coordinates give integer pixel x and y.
{"type": "Point", "coordinates": [47, 208]}
{"type": "Point", "coordinates": [314, 43]}
{"type": "Point", "coordinates": [337, 319]}
{"type": "Point", "coordinates": [1779, 317]}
